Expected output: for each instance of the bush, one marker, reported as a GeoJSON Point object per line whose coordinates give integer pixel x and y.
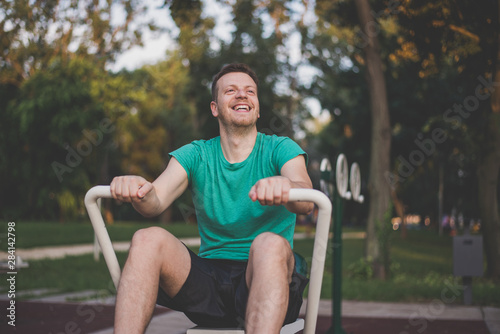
{"type": "Point", "coordinates": [361, 269]}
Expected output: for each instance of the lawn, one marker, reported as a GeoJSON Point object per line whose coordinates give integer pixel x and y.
{"type": "Point", "coordinates": [41, 234]}
{"type": "Point", "coordinates": [421, 265]}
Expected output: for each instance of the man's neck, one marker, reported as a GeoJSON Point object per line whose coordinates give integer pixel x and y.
{"type": "Point", "coordinates": [237, 145]}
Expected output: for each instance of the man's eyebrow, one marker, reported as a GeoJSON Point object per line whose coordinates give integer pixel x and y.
{"type": "Point", "coordinates": [235, 85]}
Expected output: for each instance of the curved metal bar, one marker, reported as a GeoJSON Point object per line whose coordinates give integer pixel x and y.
{"type": "Point", "coordinates": [100, 230]}
{"type": "Point", "coordinates": [319, 249]}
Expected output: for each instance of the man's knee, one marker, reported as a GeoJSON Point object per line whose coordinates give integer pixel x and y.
{"type": "Point", "coordinates": [272, 247]}
{"type": "Point", "coordinates": [270, 242]}
{"type": "Point", "coordinates": [150, 239]}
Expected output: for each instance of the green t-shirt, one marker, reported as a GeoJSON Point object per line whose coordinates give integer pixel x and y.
{"type": "Point", "coordinates": [228, 220]}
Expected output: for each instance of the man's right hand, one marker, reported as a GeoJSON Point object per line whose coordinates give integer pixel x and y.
{"type": "Point", "coordinates": [151, 199]}
{"type": "Point", "coordinates": [130, 188]}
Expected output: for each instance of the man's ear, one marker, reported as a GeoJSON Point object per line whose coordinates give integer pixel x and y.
{"type": "Point", "coordinates": [213, 107]}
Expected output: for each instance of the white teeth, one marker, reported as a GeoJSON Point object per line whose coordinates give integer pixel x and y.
{"type": "Point", "coordinates": [242, 108]}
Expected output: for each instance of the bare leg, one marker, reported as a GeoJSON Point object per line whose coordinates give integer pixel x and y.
{"type": "Point", "coordinates": [156, 257]}
{"type": "Point", "coordinates": [269, 273]}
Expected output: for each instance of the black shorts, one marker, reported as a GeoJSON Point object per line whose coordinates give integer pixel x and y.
{"type": "Point", "coordinates": [215, 293]}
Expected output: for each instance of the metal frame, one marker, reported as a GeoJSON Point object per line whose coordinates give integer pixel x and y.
{"type": "Point", "coordinates": [319, 248]}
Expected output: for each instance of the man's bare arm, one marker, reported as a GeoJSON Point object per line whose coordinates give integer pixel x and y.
{"type": "Point", "coordinates": [151, 199]}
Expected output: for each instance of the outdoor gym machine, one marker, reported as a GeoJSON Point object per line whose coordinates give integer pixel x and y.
{"type": "Point", "coordinates": [317, 265]}
{"type": "Point", "coordinates": [342, 182]}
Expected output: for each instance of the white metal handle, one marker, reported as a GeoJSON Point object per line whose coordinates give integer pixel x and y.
{"type": "Point", "coordinates": [319, 251]}
{"type": "Point", "coordinates": [100, 229]}
{"type": "Point", "coordinates": [319, 248]}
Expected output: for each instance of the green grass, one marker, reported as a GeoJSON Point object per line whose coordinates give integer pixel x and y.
{"type": "Point", "coordinates": [422, 265]}
{"type": "Point", "coordinates": [42, 234]}
{"type": "Point", "coordinates": [422, 271]}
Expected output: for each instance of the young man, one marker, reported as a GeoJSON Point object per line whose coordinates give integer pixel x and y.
{"type": "Point", "coordinates": [245, 272]}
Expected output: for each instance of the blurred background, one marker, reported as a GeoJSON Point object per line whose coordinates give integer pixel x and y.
{"type": "Point", "coordinates": [408, 89]}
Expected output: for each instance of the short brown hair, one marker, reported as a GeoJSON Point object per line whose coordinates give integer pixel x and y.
{"type": "Point", "coordinates": [231, 68]}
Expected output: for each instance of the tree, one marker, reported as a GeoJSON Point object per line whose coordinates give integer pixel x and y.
{"type": "Point", "coordinates": [344, 46]}
{"type": "Point", "coordinates": [488, 169]}
{"type": "Point", "coordinates": [52, 56]}
{"type": "Point", "coordinates": [381, 135]}
{"type": "Point", "coordinates": [53, 120]}
{"type": "Point", "coordinates": [160, 118]}
{"type": "Point", "coordinates": [195, 40]}
{"type": "Point", "coordinates": [461, 41]}
{"type": "Point", "coordinates": [35, 32]}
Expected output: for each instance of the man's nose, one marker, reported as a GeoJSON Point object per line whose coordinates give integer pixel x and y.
{"type": "Point", "coordinates": [241, 93]}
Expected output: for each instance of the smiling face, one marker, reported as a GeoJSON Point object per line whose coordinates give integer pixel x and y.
{"type": "Point", "coordinates": [237, 103]}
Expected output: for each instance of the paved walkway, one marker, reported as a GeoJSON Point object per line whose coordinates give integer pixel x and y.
{"type": "Point", "coordinates": [56, 252]}
{"type": "Point", "coordinates": [416, 314]}
{"type": "Point", "coordinates": [47, 315]}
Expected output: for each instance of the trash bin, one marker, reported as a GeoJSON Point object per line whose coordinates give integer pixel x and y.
{"type": "Point", "coordinates": [468, 261]}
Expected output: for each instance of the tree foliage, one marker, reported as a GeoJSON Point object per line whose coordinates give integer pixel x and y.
{"type": "Point", "coordinates": [46, 144]}
{"type": "Point", "coordinates": [35, 32]}
{"type": "Point", "coordinates": [52, 60]}
{"type": "Point", "coordinates": [439, 61]}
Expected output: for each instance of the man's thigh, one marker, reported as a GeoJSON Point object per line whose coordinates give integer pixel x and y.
{"type": "Point", "coordinates": [215, 293]}
{"type": "Point", "coordinates": [211, 293]}
{"type": "Point", "coordinates": [165, 252]}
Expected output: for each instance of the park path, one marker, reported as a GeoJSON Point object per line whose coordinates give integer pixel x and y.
{"type": "Point", "coordinates": [57, 252]}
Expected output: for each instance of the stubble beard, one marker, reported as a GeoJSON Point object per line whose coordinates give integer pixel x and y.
{"type": "Point", "coordinates": [237, 126]}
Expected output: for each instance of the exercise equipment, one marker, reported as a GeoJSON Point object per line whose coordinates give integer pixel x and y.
{"type": "Point", "coordinates": [317, 266]}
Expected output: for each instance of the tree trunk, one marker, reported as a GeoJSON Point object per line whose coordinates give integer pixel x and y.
{"type": "Point", "coordinates": [379, 190]}
{"type": "Point", "coordinates": [487, 175]}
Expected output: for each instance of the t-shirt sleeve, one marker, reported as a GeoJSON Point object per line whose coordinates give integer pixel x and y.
{"type": "Point", "coordinates": [285, 151]}
{"type": "Point", "coordinates": [189, 157]}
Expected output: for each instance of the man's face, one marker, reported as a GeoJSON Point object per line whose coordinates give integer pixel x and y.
{"type": "Point", "coordinates": [237, 102]}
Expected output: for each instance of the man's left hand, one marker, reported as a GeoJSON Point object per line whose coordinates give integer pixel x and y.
{"type": "Point", "coordinates": [271, 190]}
